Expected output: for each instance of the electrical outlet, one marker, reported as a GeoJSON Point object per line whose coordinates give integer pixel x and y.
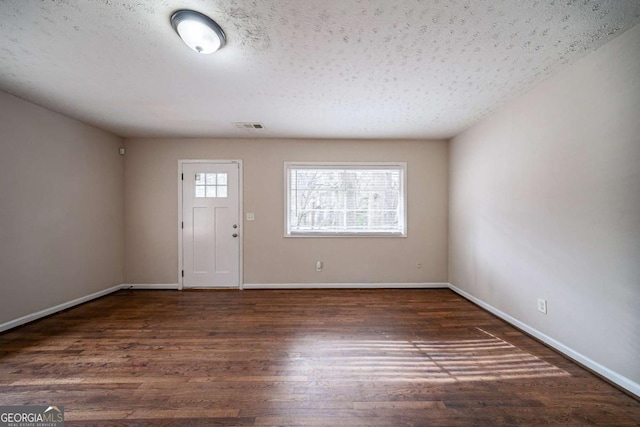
{"type": "Point", "coordinates": [542, 305]}
{"type": "Point", "coordinates": [419, 264]}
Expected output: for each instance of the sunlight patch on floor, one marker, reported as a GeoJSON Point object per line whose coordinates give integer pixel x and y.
{"type": "Point", "coordinates": [484, 358]}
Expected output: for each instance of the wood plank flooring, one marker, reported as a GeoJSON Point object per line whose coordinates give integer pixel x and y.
{"type": "Point", "coordinates": [297, 358]}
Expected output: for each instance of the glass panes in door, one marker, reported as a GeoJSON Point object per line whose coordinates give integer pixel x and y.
{"type": "Point", "coordinates": [209, 185]}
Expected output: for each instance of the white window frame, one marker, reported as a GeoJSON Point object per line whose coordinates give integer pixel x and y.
{"type": "Point", "coordinates": [288, 166]}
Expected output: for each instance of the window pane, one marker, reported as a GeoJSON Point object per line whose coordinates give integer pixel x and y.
{"type": "Point", "coordinates": [346, 199]}
{"type": "Point", "coordinates": [211, 179]}
{"type": "Point", "coordinates": [211, 191]}
{"type": "Point", "coordinates": [222, 179]}
{"type": "Point", "coordinates": [200, 191]}
{"type": "Point", "coordinates": [199, 179]}
{"type": "Point", "coordinates": [222, 191]}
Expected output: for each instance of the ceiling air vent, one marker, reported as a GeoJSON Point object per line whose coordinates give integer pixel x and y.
{"type": "Point", "coordinates": [249, 125]}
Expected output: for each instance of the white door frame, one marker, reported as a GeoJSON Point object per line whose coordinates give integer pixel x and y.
{"type": "Point", "coordinates": [181, 219]}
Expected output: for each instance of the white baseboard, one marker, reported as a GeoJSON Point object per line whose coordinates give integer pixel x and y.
{"type": "Point", "coordinates": [173, 286]}
{"type": "Point", "coordinates": [614, 377]}
{"type": "Point", "coordinates": [48, 311]}
{"type": "Point", "coordinates": [345, 286]}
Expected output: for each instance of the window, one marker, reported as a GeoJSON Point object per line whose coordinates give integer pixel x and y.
{"type": "Point", "coordinates": [345, 199]}
{"type": "Point", "coordinates": [210, 185]}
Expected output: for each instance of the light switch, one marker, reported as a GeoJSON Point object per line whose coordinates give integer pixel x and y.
{"type": "Point", "coordinates": [251, 216]}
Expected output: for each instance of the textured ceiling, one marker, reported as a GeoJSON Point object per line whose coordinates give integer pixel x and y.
{"type": "Point", "coordinates": [302, 68]}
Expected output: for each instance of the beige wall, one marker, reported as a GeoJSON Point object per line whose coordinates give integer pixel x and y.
{"type": "Point", "coordinates": [545, 202]}
{"type": "Point", "coordinates": [151, 214]}
{"type": "Point", "coordinates": [60, 209]}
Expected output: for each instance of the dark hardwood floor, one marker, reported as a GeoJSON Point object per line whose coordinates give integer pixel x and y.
{"type": "Point", "coordinates": [310, 358]}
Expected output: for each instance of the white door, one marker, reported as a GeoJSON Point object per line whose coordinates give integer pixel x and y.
{"type": "Point", "coordinates": [211, 225]}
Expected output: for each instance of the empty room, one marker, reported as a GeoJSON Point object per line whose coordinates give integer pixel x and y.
{"type": "Point", "coordinates": [338, 213]}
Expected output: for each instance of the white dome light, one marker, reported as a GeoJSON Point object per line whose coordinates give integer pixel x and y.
{"type": "Point", "coordinates": [198, 31]}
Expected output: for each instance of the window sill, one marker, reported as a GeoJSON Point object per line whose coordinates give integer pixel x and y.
{"type": "Point", "coordinates": [333, 235]}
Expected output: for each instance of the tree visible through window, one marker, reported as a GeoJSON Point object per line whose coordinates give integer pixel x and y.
{"type": "Point", "coordinates": [345, 199]}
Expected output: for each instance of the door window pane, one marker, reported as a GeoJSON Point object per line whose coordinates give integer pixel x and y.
{"type": "Point", "coordinates": [210, 185]}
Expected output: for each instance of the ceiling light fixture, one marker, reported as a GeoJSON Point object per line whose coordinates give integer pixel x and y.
{"type": "Point", "coordinates": [198, 31]}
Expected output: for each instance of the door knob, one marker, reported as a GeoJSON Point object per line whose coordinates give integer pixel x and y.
{"type": "Point", "coordinates": [235, 234]}
{"type": "Point", "coordinates": [235, 225]}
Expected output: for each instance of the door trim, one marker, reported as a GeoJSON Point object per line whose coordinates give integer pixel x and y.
{"type": "Point", "coordinates": [240, 219]}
